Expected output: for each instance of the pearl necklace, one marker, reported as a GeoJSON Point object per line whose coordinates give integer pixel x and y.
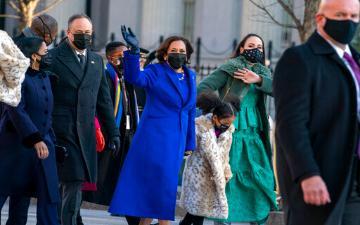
{"type": "Point", "coordinates": [182, 76]}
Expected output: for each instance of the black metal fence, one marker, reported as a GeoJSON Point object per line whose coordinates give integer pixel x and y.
{"type": "Point", "coordinates": [203, 71]}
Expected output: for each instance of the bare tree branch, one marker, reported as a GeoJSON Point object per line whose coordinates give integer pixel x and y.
{"type": "Point", "coordinates": [14, 6]}
{"type": "Point", "coordinates": [272, 22]}
{"type": "Point", "coordinates": [263, 17]}
{"type": "Point", "coordinates": [290, 12]}
{"type": "Point", "coordinates": [22, 5]}
{"type": "Point", "coordinates": [49, 7]}
{"type": "Point", "coordinates": [10, 16]}
{"type": "Point", "coordinates": [270, 15]}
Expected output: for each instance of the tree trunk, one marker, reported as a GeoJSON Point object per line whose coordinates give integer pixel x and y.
{"type": "Point", "coordinates": [309, 24]}
{"type": "Point", "coordinates": [27, 9]}
{"type": "Point", "coordinates": [302, 34]}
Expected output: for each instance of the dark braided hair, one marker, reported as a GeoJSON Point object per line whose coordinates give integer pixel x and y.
{"type": "Point", "coordinates": [209, 102]}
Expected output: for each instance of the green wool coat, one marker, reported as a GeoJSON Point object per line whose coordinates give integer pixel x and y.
{"type": "Point", "coordinates": [223, 81]}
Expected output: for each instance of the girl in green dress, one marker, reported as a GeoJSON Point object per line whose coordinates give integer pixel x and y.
{"type": "Point", "coordinates": [250, 193]}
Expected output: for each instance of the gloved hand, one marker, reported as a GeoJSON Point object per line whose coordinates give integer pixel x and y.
{"type": "Point", "coordinates": [130, 39]}
{"type": "Point", "coordinates": [114, 145]}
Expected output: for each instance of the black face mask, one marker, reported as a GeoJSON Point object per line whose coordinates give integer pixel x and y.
{"type": "Point", "coordinates": [341, 31]}
{"type": "Point", "coordinates": [176, 60]}
{"type": "Point", "coordinates": [82, 41]}
{"type": "Point", "coordinates": [253, 55]}
{"type": "Point", "coordinates": [46, 61]}
{"type": "Point", "coordinates": [222, 128]}
{"type": "Point", "coordinates": [120, 68]}
{"type": "Point", "coordinates": [121, 65]}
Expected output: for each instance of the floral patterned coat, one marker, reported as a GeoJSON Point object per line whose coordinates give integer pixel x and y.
{"type": "Point", "coordinates": [203, 186]}
{"type": "Point", "coordinates": [13, 65]}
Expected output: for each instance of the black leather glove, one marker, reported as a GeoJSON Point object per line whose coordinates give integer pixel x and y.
{"type": "Point", "coordinates": [61, 154]}
{"type": "Point", "coordinates": [114, 145]}
{"type": "Point", "coordinates": [130, 39]}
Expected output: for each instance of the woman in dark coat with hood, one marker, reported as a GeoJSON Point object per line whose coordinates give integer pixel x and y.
{"type": "Point", "coordinates": [27, 153]}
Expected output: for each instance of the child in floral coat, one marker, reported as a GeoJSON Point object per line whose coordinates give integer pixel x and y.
{"type": "Point", "coordinates": [207, 170]}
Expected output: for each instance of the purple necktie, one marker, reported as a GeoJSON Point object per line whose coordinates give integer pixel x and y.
{"type": "Point", "coordinates": [356, 70]}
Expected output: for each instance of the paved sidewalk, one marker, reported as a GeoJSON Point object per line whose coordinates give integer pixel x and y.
{"type": "Point", "coordinates": [90, 217]}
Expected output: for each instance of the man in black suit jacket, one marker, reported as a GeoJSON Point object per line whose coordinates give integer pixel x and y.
{"type": "Point", "coordinates": [81, 90]}
{"type": "Point", "coordinates": [316, 90]}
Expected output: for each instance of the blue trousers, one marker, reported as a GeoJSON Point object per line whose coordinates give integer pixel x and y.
{"type": "Point", "coordinates": [18, 207]}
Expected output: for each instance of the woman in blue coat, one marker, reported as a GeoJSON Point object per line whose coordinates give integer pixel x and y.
{"type": "Point", "coordinates": [27, 154]}
{"type": "Point", "coordinates": [148, 181]}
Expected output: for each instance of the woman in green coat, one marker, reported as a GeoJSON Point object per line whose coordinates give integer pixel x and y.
{"type": "Point", "coordinates": [250, 193]}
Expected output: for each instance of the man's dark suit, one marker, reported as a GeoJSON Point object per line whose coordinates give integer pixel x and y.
{"type": "Point", "coordinates": [316, 128]}
{"type": "Point", "coordinates": [78, 93]}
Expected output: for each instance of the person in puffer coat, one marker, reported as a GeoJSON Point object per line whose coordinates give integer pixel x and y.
{"type": "Point", "coordinates": [208, 170]}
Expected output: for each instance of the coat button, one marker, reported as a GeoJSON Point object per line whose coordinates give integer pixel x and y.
{"type": "Point", "coordinates": [46, 112]}
{"type": "Point", "coordinates": [44, 124]}
{"type": "Point", "coordinates": [43, 87]}
{"type": "Point", "coordinates": [46, 99]}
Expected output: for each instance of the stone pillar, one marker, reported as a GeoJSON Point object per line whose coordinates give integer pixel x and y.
{"type": "Point", "coordinates": [160, 17]}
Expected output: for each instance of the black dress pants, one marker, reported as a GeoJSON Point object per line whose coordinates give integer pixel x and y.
{"type": "Point", "coordinates": [351, 214]}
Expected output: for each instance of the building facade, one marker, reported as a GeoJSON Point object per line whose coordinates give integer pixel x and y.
{"type": "Point", "coordinates": [214, 27]}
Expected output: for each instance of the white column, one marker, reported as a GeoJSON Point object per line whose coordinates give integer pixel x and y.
{"type": "Point", "coordinates": [124, 12]}
{"type": "Point", "coordinates": [161, 17]}
{"type": "Point", "coordinates": [65, 9]}
{"type": "Point", "coordinates": [217, 24]}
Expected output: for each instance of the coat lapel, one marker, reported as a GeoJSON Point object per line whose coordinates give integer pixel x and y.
{"type": "Point", "coordinates": [340, 62]}
{"type": "Point", "coordinates": [174, 80]}
{"type": "Point", "coordinates": [90, 66]}
{"type": "Point", "coordinates": [321, 47]}
{"type": "Point", "coordinates": [69, 59]}
{"type": "Point", "coordinates": [192, 85]}
{"type": "Point", "coordinates": [355, 55]}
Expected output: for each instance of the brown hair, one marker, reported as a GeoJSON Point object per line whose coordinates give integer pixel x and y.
{"type": "Point", "coordinates": [162, 50]}
{"type": "Point", "coordinates": [236, 53]}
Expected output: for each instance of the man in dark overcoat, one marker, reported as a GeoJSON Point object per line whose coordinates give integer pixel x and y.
{"type": "Point", "coordinates": [317, 98]}
{"type": "Point", "coordinates": [81, 90]}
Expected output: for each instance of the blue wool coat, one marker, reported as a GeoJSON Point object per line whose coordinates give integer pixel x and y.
{"type": "Point", "coordinates": [20, 128]}
{"type": "Point", "coordinates": [148, 181]}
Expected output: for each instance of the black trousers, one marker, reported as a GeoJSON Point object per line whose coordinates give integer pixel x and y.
{"type": "Point", "coordinates": [131, 220]}
{"type": "Point", "coordinates": [351, 214]}
{"type": "Point", "coordinates": [190, 219]}
{"type": "Point", "coordinates": [71, 195]}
